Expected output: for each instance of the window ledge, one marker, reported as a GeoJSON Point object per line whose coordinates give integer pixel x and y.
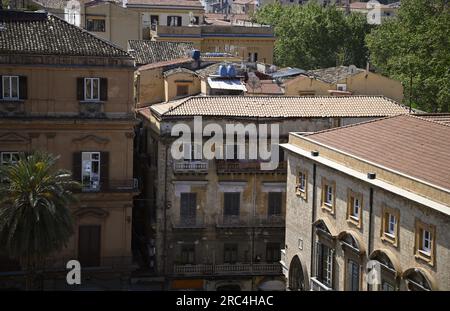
{"type": "Point", "coordinates": [328, 207]}
{"type": "Point", "coordinates": [354, 221]}
{"type": "Point", "coordinates": [91, 101]}
{"type": "Point", "coordinates": [387, 237]}
{"type": "Point", "coordinates": [424, 256]}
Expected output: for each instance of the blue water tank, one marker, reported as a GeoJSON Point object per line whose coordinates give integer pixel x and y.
{"type": "Point", "coordinates": [196, 54]}
{"type": "Point", "coordinates": [222, 71]}
{"type": "Point", "coordinates": [231, 71]}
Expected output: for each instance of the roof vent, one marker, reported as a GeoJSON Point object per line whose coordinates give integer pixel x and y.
{"type": "Point", "coordinates": [315, 153]}
{"type": "Point", "coordinates": [371, 175]}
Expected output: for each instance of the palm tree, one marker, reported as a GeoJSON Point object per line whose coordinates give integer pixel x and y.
{"type": "Point", "coordinates": [35, 219]}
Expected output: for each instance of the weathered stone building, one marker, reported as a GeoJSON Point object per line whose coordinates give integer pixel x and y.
{"type": "Point", "coordinates": [70, 93]}
{"type": "Point", "coordinates": [219, 223]}
{"type": "Point", "coordinates": [377, 191]}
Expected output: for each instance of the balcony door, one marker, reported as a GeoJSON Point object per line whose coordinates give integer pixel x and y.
{"type": "Point", "coordinates": [188, 208]}
{"type": "Point", "coordinates": [231, 207]}
{"type": "Point", "coordinates": [89, 245]}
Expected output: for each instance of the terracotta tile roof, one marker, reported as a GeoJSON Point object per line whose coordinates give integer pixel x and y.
{"type": "Point", "coordinates": [281, 106]}
{"type": "Point", "coordinates": [408, 144]}
{"type": "Point", "coordinates": [45, 34]}
{"type": "Point", "coordinates": [178, 3]}
{"type": "Point", "coordinates": [333, 74]}
{"type": "Point", "coordinates": [437, 117]}
{"type": "Point", "coordinates": [147, 52]}
{"type": "Point", "coordinates": [172, 62]}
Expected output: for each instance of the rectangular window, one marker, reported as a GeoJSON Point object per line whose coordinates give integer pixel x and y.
{"type": "Point", "coordinates": [232, 202]}
{"type": "Point", "coordinates": [354, 208]}
{"type": "Point", "coordinates": [253, 57]}
{"type": "Point", "coordinates": [92, 89]}
{"type": "Point", "coordinates": [328, 194]}
{"type": "Point", "coordinates": [324, 260]}
{"type": "Point", "coordinates": [154, 21]}
{"type": "Point", "coordinates": [352, 275]}
{"type": "Point", "coordinates": [10, 87]}
{"type": "Point", "coordinates": [188, 254]}
{"type": "Point", "coordinates": [95, 25]}
{"type": "Point", "coordinates": [230, 251]}
{"type": "Point", "coordinates": [273, 252]}
{"type": "Point", "coordinates": [426, 241]}
{"type": "Point", "coordinates": [301, 187]}
{"type": "Point", "coordinates": [274, 204]}
{"type": "Point", "coordinates": [8, 158]}
{"type": "Point", "coordinates": [182, 90]}
{"type": "Point", "coordinates": [188, 208]}
{"type": "Point", "coordinates": [174, 21]}
{"type": "Point", "coordinates": [390, 222]}
{"type": "Point", "coordinates": [90, 171]}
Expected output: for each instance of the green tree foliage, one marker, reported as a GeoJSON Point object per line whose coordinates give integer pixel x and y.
{"type": "Point", "coordinates": [415, 47]}
{"type": "Point", "coordinates": [312, 36]}
{"type": "Point", "coordinates": [35, 219]}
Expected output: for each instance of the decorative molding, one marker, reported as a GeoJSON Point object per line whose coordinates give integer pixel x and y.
{"type": "Point", "coordinates": [91, 211]}
{"type": "Point", "coordinates": [13, 138]}
{"type": "Point", "coordinates": [232, 186]}
{"type": "Point", "coordinates": [93, 138]}
{"type": "Point", "coordinates": [273, 187]}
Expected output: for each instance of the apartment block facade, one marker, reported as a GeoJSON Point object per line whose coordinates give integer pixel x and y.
{"type": "Point", "coordinates": [217, 223]}
{"type": "Point", "coordinates": [70, 94]}
{"type": "Point", "coordinates": [368, 207]}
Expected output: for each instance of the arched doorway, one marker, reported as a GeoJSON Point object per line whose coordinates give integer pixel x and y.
{"type": "Point", "coordinates": [389, 269]}
{"type": "Point", "coordinates": [417, 279]}
{"type": "Point", "coordinates": [297, 280]}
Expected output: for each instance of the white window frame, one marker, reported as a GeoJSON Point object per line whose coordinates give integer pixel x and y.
{"type": "Point", "coordinates": [10, 82]}
{"type": "Point", "coordinates": [392, 221]}
{"type": "Point", "coordinates": [427, 238]}
{"type": "Point", "coordinates": [91, 186]}
{"type": "Point", "coordinates": [92, 97]}
{"type": "Point", "coordinates": [356, 208]}
{"type": "Point", "coordinates": [328, 195]}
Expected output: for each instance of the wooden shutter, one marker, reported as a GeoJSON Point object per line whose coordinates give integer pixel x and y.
{"type": "Point", "coordinates": [76, 166]}
{"type": "Point", "coordinates": [103, 89]}
{"type": "Point", "coordinates": [89, 245]}
{"type": "Point", "coordinates": [104, 170]}
{"type": "Point", "coordinates": [80, 88]}
{"type": "Point", "coordinates": [188, 204]}
{"type": "Point", "coordinates": [23, 87]}
{"type": "Point", "coordinates": [318, 261]}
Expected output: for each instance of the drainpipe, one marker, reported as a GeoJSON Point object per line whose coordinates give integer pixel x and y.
{"type": "Point", "coordinates": [313, 217]}
{"type": "Point", "coordinates": [369, 243]}
{"type": "Point", "coordinates": [165, 217]}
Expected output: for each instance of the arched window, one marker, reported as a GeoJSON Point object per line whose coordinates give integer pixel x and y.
{"type": "Point", "coordinates": [416, 280]}
{"type": "Point", "coordinates": [353, 251]}
{"type": "Point", "coordinates": [389, 271]}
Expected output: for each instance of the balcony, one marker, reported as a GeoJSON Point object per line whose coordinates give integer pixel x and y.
{"type": "Point", "coordinates": [232, 221]}
{"type": "Point", "coordinates": [189, 223]}
{"type": "Point", "coordinates": [106, 263]}
{"type": "Point", "coordinates": [190, 167]}
{"type": "Point", "coordinates": [245, 167]}
{"type": "Point", "coordinates": [229, 269]}
{"type": "Point", "coordinates": [269, 221]}
{"type": "Point", "coordinates": [125, 185]}
{"type": "Point", "coordinates": [92, 109]}
{"type": "Point", "coordinates": [9, 108]}
{"type": "Point", "coordinates": [316, 285]}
